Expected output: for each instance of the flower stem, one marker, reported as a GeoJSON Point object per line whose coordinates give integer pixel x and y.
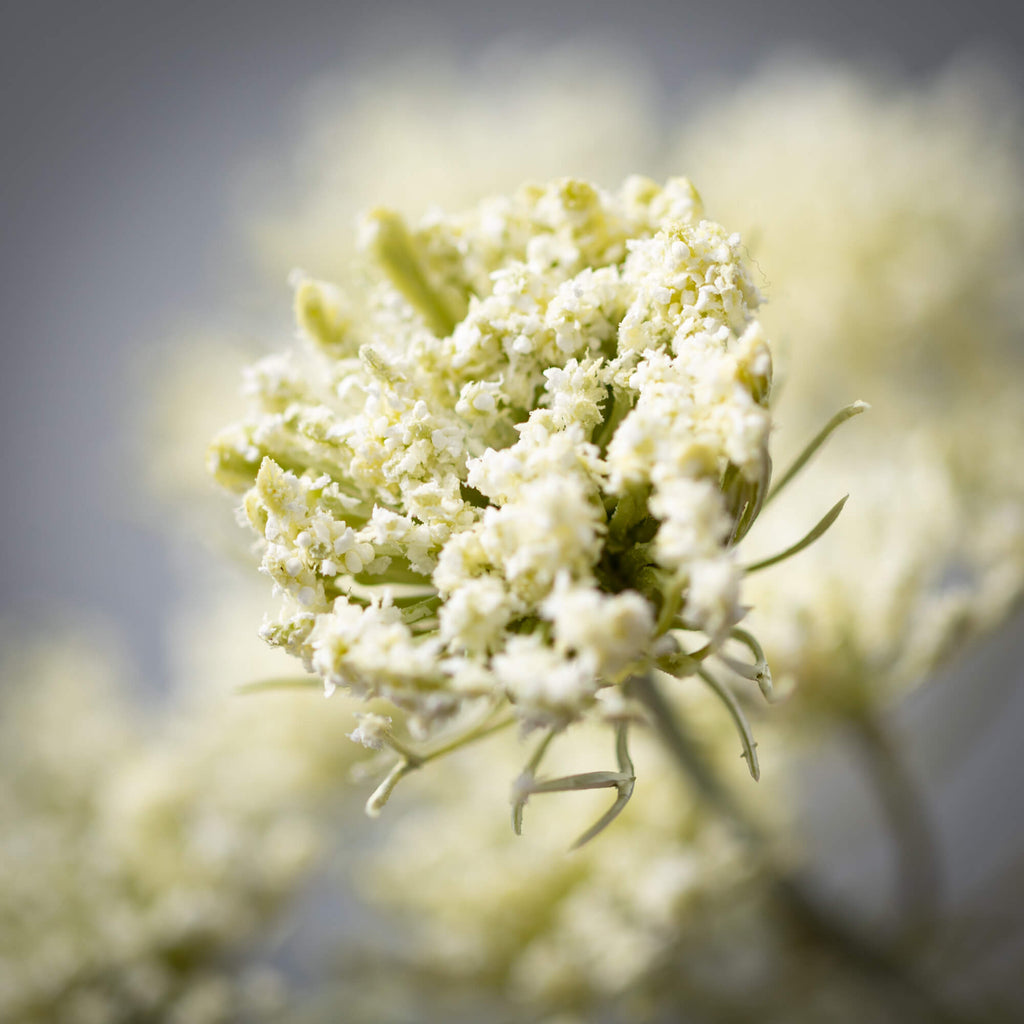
{"type": "Point", "coordinates": [410, 760]}
{"type": "Point", "coordinates": [792, 893]}
{"type": "Point", "coordinates": [919, 874]}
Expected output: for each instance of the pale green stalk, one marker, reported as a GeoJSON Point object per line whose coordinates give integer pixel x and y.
{"type": "Point", "coordinates": [822, 925]}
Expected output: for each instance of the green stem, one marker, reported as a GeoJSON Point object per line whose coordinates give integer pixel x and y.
{"type": "Point", "coordinates": [762, 674]}
{"type": "Point", "coordinates": [725, 695]}
{"type": "Point", "coordinates": [622, 781]}
{"type": "Point", "coordinates": [482, 731]}
{"type": "Point", "coordinates": [792, 893]}
{"type": "Point", "coordinates": [528, 773]}
{"type": "Point", "coordinates": [910, 827]}
{"type": "Point", "coordinates": [282, 683]}
{"type": "Point", "coordinates": [410, 760]}
{"type": "Point", "coordinates": [627, 780]}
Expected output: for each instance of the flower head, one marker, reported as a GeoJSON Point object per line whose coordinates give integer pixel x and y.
{"type": "Point", "coordinates": [518, 455]}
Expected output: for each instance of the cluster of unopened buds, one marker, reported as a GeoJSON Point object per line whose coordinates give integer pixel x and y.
{"type": "Point", "coordinates": [507, 471]}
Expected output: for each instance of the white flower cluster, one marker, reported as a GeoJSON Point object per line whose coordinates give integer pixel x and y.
{"type": "Point", "coordinates": [140, 858]}
{"type": "Point", "coordinates": [527, 457]}
{"type": "Point", "coordinates": [927, 280]}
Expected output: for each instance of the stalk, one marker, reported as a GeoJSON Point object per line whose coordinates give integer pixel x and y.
{"type": "Point", "coordinates": [901, 802]}
{"type": "Point", "coordinates": [792, 893]}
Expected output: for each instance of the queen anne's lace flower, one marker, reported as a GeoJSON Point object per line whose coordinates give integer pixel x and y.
{"type": "Point", "coordinates": [522, 460]}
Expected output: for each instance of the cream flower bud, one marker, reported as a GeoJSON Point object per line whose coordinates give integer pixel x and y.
{"type": "Point", "coordinates": [371, 731]}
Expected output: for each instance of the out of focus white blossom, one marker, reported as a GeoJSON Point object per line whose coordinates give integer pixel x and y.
{"type": "Point", "coordinates": [145, 853]}
{"type": "Point", "coordinates": [430, 128]}
{"type": "Point", "coordinates": [548, 930]}
{"type": "Point", "coordinates": [887, 224]}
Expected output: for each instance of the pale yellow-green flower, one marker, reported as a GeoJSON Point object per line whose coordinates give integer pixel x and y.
{"type": "Point", "coordinates": [517, 460]}
{"type": "Point", "coordinates": [885, 226]}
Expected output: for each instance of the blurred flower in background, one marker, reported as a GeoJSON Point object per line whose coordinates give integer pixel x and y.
{"type": "Point", "coordinates": [433, 128]}
{"type": "Point", "coordinates": [149, 851]}
{"type": "Point", "coordinates": [888, 222]}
